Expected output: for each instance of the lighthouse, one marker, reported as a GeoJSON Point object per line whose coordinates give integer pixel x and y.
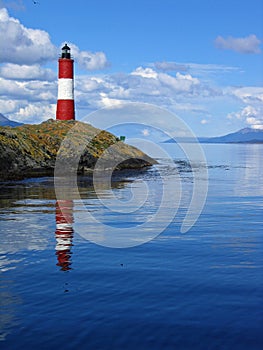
{"type": "Point", "coordinates": [65, 102]}
{"type": "Point", "coordinates": [64, 233]}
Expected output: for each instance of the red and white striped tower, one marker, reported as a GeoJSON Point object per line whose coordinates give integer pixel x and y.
{"type": "Point", "coordinates": [64, 233]}
{"type": "Point", "coordinates": [65, 103]}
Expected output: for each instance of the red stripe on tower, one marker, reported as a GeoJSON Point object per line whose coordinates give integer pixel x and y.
{"type": "Point", "coordinates": [65, 102]}
{"type": "Point", "coordinates": [64, 233]}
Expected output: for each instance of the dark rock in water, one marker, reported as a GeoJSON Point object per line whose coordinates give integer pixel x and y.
{"type": "Point", "coordinates": [32, 150]}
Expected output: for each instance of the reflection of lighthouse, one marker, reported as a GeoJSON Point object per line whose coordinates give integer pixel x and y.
{"type": "Point", "coordinates": [65, 102]}
{"type": "Point", "coordinates": [64, 233]}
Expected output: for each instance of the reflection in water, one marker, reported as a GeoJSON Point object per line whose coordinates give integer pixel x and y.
{"type": "Point", "coordinates": [210, 277]}
{"type": "Point", "coordinates": [250, 181]}
{"type": "Point", "coordinates": [8, 304]}
{"type": "Point", "coordinates": [64, 233]}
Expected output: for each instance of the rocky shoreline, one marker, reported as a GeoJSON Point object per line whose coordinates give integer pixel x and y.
{"type": "Point", "coordinates": [32, 150]}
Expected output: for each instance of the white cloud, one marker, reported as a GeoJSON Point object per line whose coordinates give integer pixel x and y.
{"type": "Point", "coordinates": [148, 73]}
{"type": "Point", "coordinates": [26, 87]}
{"type": "Point", "coordinates": [24, 72]}
{"type": "Point", "coordinates": [247, 94]}
{"type": "Point", "coordinates": [30, 90]}
{"type": "Point", "coordinates": [27, 46]}
{"type": "Point", "coordinates": [182, 93]}
{"type": "Point", "coordinates": [35, 113]}
{"type": "Point", "coordinates": [28, 101]}
{"type": "Point", "coordinates": [23, 45]}
{"type": "Point", "coordinates": [247, 45]}
{"type": "Point", "coordinates": [255, 123]}
{"type": "Point", "coordinates": [105, 101]}
{"type": "Point", "coordinates": [181, 83]}
{"type": "Point", "coordinates": [8, 106]}
{"type": "Point", "coordinates": [251, 115]}
{"type": "Point", "coordinates": [246, 112]}
{"type": "Point", "coordinates": [12, 89]}
{"type": "Point", "coordinates": [249, 111]}
{"type": "Point", "coordinates": [89, 60]}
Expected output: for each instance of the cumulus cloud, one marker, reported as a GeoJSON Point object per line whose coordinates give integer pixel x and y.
{"type": "Point", "coordinates": [109, 102]}
{"type": "Point", "coordinates": [23, 45]}
{"type": "Point", "coordinates": [255, 123]}
{"type": "Point", "coordinates": [180, 92]}
{"type": "Point", "coordinates": [247, 45]}
{"type": "Point", "coordinates": [89, 60]}
{"type": "Point", "coordinates": [13, 89]}
{"type": "Point", "coordinates": [181, 82]}
{"type": "Point", "coordinates": [248, 94]}
{"type": "Point", "coordinates": [31, 90]}
{"type": "Point", "coordinates": [24, 72]}
{"type": "Point", "coordinates": [148, 73]}
{"type": "Point", "coordinates": [28, 89]}
{"type": "Point", "coordinates": [154, 83]}
{"type": "Point", "coordinates": [35, 113]}
{"type": "Point", "coordinates": [251, 115]}
{"type": "Point", "coordinates": [8, 106]}
{"type": "Point", "coordinates": [26, 46]}
{"type": "Point", "coordinates": [246, 112]}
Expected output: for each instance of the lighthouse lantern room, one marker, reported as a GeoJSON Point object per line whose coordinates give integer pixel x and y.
{"type": "Point", "coordinates": [65, 102]}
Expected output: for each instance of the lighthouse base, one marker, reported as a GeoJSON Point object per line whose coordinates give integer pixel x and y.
{"type": "Point", "coordinates": [65, 110]}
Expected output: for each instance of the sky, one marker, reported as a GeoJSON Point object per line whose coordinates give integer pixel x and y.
{"type": "Point", "coordinates": [200, 60]}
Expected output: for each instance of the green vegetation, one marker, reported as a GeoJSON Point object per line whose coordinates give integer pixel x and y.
{"type": "Point", "coordinates": [33, 148]}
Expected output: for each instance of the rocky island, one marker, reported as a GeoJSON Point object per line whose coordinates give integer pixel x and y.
{"type": "Point", "coordinates": [31, 150]}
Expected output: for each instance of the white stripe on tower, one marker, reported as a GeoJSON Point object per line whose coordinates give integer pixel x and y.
{"type": "Point", "coordinates": [65, 89]}
{"type": "Point", "coordinates": [65, 102]}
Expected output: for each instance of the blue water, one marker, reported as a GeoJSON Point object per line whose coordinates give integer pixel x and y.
{"type": "Point", "coordinates": [199, 290]}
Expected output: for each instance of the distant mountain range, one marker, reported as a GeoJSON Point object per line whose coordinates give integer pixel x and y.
{"type": "Point", "coordinates": [246, 135]}
{"type": "Point", "coordinates": [7, 122]}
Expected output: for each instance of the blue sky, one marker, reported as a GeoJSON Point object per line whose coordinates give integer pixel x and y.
{"type": "Point", "coordinates": [201, 60]}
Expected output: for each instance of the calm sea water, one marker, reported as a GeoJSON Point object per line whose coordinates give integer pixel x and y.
{"type": "Point", "coordinates": [199, 290]}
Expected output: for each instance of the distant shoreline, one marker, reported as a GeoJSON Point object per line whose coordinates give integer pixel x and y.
{"type": "Point", "coordinates": [216, 142]}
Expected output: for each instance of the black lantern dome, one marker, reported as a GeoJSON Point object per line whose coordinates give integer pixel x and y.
{"type": "Point", "coordinates": [65, 51]}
